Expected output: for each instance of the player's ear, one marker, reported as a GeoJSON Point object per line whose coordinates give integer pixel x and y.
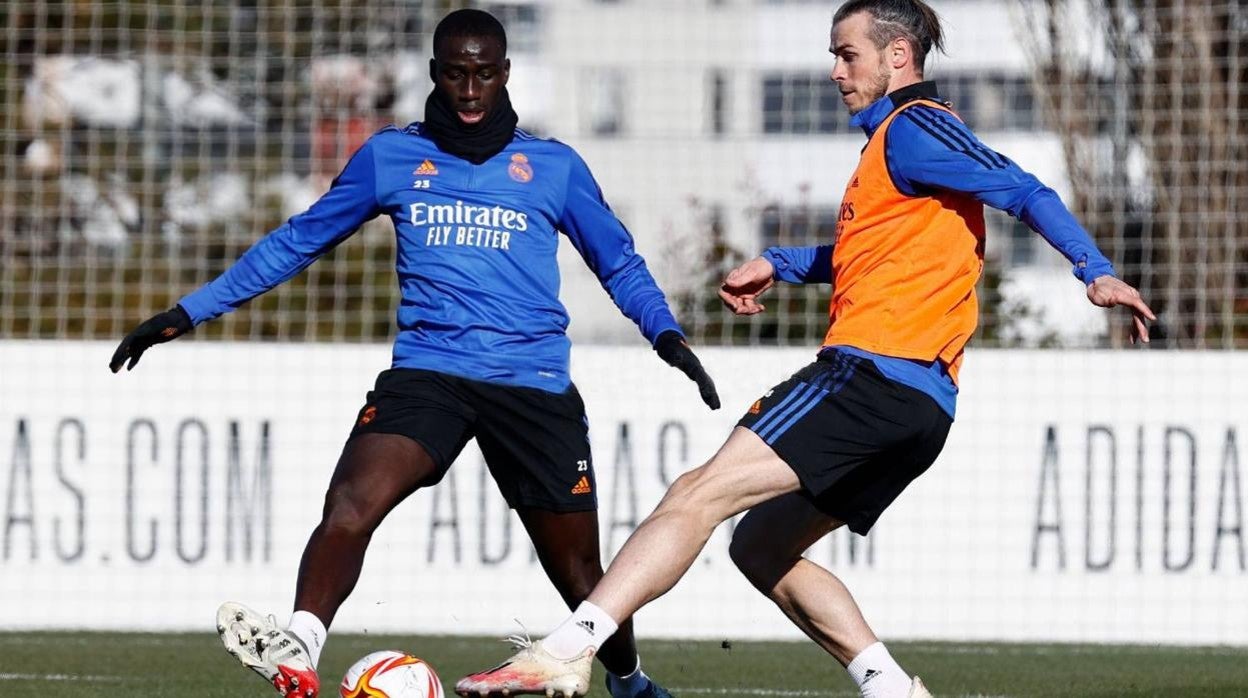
{"type": "Point", "coordinates": [433, 69]}
{"type": "Point", "coordinates": [899, 53]}
{"type": "Point", "coordinates": [506, 70]}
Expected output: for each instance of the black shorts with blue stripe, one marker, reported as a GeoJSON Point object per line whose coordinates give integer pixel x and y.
{"type": "Point", "coordinates": [855, 438]}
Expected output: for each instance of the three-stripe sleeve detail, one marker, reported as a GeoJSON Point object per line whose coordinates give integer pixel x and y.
{"type": "Point", "coordinates": [955, 138]}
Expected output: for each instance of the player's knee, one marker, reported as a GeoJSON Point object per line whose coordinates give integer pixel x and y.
{"type": "Point", "coordinates": [746, 554]}
{"type": "Point", "coordinates": [698, 493]}
{"type": "Point", "coordinates": [680, 500]}
{"type": "Point", "coordinates": [757, 557]}
{"type": "Point", "coordinates": [688, 490]}
{"type": "Point", "coordinates": [343, 514]}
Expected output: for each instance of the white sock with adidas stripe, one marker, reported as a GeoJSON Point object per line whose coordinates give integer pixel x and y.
{"type": "Point", "coordinates": [877, 674]}
{"type": "Point", "coordinates": [310, 631]}
{"type": "Point", "coordinates": [588, 626]}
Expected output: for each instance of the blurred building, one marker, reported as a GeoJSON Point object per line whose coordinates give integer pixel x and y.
{"type": "Point", "coordinates": [717, 118]}
{"type": "Point", "coordinates": [712, 126]}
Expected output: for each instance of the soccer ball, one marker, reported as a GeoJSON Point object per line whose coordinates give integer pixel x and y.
{"type": "Point", "coordinates": [390, 674]}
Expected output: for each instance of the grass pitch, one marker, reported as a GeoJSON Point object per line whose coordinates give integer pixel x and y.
{"type": "Point", "coordinates": [73, 665]}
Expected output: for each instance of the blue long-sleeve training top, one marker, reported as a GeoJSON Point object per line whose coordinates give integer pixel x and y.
{"type": "Point", "coordinates": [926, 150]}
{"type": "Point", "coordinates": [476, 254]}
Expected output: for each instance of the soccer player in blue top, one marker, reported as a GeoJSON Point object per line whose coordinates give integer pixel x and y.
{"type": "Point", "coordinates": [482, 350]}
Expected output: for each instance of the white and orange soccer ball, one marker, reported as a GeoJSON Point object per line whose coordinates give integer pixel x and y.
{"type": "Point", "coordinates": [390, 674]}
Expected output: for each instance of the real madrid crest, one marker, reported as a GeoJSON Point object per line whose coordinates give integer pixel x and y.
{"type": "Point", "coordinates": [520, 169]}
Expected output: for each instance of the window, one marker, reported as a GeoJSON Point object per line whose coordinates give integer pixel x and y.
{"type": "Point", "coordinates": [717, 101]}
{"type": "Point", "coordinates": [605, 101]}
{"type": "Point", "coordinates": [992, 102]}
{"type": "Point", "coordinates": [1017, 245]}
{"type": "Point", "coordinates": [802, 103]}
{"type": "Point", "coordinates": [523, 23]}
{"type": "Point", "coordinates": [803, 226]}
{"type": "Point", "coordinates": [808, 103]}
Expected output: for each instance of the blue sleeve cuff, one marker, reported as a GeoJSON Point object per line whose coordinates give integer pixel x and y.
{"type": "Point", "coordinates": [784, 269]}
{"type": "Point", "coordinates": [200, 305]}
{"type": "Point", "coordinates": [1087, 272]}
{"type": "Point", "coordinates": [801, 265]}
{"type": "Point", "coordinates": [672, 327]}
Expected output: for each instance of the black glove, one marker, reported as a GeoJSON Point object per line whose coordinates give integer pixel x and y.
{"type": "Point", "coordinates": [158, 329]}
{"type": "Point", "coordinates": [672, 348]}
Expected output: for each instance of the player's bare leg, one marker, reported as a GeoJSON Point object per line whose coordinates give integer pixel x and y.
{"type": "Point", "coordinates": [375, 473]}
{"type": "Point", "coordinates": [568, 547]}
{"type": "Point", "coordinates": [767, 547]}
{"type": "Point", "coordinates": [744, 472]}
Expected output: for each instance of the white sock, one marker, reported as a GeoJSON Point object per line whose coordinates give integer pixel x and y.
{"type": "Point", "coordinates": [878, 675]}
{"type": "Point", "coordinates": [310, 631]}
{"type": "Point", "coordinates": [628, 685]}
{"type": "Point", "coordinates": [588, 626]}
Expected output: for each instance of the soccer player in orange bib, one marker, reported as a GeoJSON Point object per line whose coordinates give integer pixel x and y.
{"type": "Point", "coordinates": [837, 442]}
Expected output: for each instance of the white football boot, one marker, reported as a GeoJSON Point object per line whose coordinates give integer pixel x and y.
{"type": "Point", "coordinates": [277, 655]}
{"type": "Point", "coordinates": [532, 670]}
{"type": "Point", "coordinates": [918, 690]}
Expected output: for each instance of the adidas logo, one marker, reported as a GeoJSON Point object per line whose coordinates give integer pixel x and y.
{"type": "Point", "coordinates": [426, 169]}
{"type": "Point", "coordinates": [586, 625]}
{"type": "Point", "coordinates": [582, 487]}
{"type": "Point", "coordinates": [871, 674]}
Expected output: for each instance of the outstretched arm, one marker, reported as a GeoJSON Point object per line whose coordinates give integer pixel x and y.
{"type": "Point", "coordinates": [289, 249]}
{"type": "Point", "coordinates": [928, 149]}
{"type": "Point", "coordinates": [607, 247]}
{"type": "Point", "coordinates": [278, 256]}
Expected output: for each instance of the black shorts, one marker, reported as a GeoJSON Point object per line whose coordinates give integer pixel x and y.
{"type": "Point", "coordinates": [535, 443]}
{"type": "Point", "coordinates": [855, 438]}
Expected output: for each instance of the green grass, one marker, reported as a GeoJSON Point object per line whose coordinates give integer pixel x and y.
{"type": "Point", "coordinates": [70, 665]}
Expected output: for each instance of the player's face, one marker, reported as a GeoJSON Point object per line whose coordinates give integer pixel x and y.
{"type": "Point", "coordinates": [860, 72]}
{"type": "Point", "coordinates": [470, 72]}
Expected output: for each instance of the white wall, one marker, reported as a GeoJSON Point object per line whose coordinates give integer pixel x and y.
{"type": "Point", "coordinates": [1018, 532]}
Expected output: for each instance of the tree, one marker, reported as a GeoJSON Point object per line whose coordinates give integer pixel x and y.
{"type": "Point", "coordinates": [1150, 98]}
